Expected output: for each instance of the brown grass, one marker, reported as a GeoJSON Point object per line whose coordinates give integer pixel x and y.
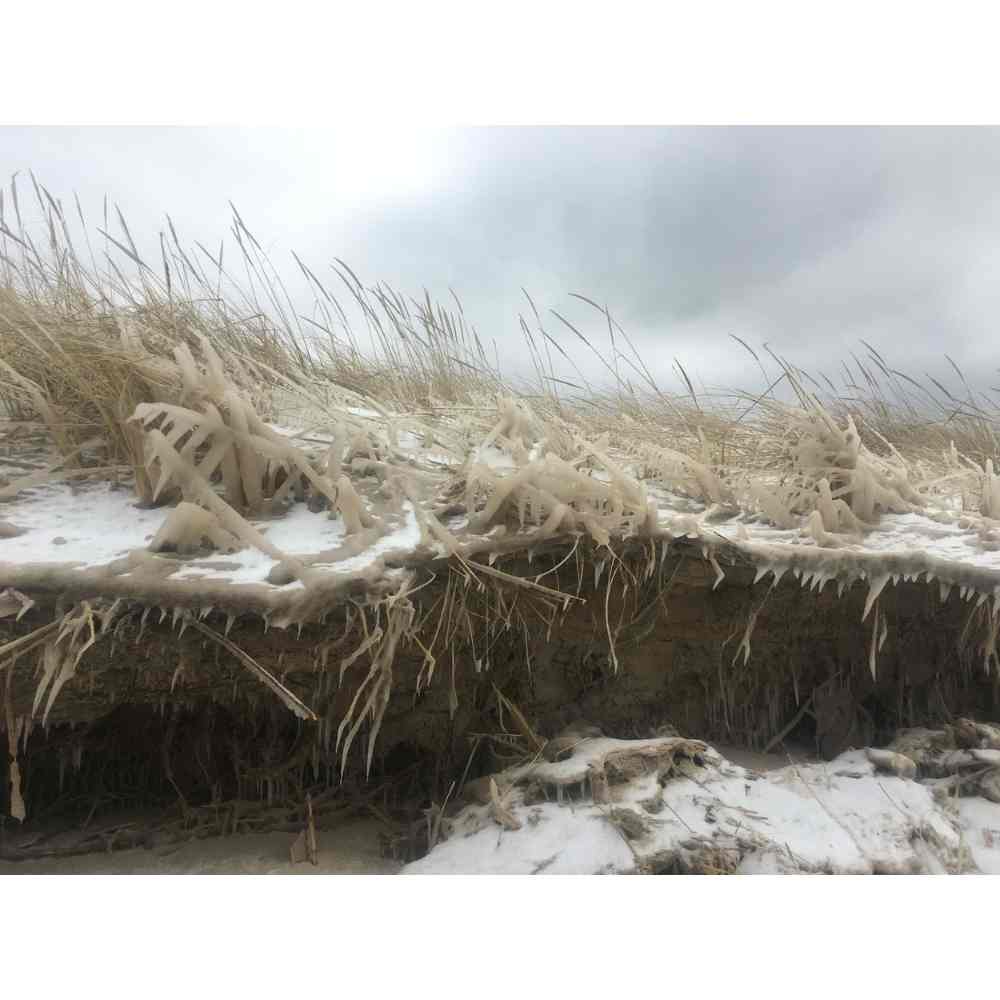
{"type": "Point", "coordinates": [88, 335]}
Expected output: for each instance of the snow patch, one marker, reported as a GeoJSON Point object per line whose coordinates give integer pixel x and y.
{"type": "Point", "coordinates": [838, 817]}
{"type": "Point", "coordinates": [90, 526]}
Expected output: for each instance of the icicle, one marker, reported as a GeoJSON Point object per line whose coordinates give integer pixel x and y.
{"type": "Point", "coordinates": [878, 638]}
{"type": "Point", "coordinates": [875, 587]}
{"type": "Point", "coordinates": [825, 508]}
{"type": "Point", "coordinates": [744, 645]}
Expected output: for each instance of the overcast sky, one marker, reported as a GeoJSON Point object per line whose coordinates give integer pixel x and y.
{"type": "Point", "coordinates": [807, 239]}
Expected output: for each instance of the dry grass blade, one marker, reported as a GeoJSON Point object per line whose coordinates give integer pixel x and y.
{"type": "Point", "coordinates": [304, 847]}
{"type": "Point", "coordinates": [9, 651]}
{"type": "Point", "coordinates": [499, 809]}
{"type": "Point", "coordinates": [535, 742]}
{"type": "Point", "coordinates": [290, 699]}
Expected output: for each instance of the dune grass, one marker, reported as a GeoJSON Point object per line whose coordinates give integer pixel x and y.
{"type": "Point", "coordinates": [89, 330]}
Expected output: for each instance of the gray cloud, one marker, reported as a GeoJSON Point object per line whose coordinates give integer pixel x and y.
{"type": "Point", "coordinates": [808, 239]}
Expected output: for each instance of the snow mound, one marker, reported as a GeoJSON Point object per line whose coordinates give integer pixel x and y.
{"type": "Point", "coordinates": [673, 805]}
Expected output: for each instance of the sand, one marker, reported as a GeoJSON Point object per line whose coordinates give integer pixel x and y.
{"type": "Point", "coordinates": [351, 848]}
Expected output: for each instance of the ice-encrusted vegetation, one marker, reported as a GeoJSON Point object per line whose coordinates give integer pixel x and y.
{"type": "Point", "coordinates": [180, 442]}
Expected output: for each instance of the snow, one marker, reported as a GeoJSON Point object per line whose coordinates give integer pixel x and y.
{"type": "Point", "coordinates": [404, 539]}
{"type": "Point", "coordinates": [92, 526]}
{"type": "Point", "coordinates": [554, 840]}
{"type": "Point", "coordinates": [979, 822]}
{"type": "Point", "coordinates": [298, 532]}
{"type": "Point", "coordinates": [88, 526]}
{"type": "Point", "coordinates": [895, 533]}
{"type": "Point", "coordinates": [841, 817]}
{"type": "Point", "coordinates": [494, 458]}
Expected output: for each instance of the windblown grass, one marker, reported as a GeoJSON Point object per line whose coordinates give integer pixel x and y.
{"type": "Point", "coordinates": [87, 335]}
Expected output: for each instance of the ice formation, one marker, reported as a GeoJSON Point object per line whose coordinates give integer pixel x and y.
{"type": "Point", "coordinates": [338, 507]}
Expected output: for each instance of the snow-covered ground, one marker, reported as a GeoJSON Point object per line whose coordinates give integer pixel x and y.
{"type": "Point", "coordinates": [87, 526]}
{"type": "Point", "coordinates": [940, 535]}
{"type": "Point", "coordinates": [684, 807]}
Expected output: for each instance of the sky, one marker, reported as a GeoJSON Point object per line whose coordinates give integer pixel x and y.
{"type": "Point", "coordinates": [809, 240]}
